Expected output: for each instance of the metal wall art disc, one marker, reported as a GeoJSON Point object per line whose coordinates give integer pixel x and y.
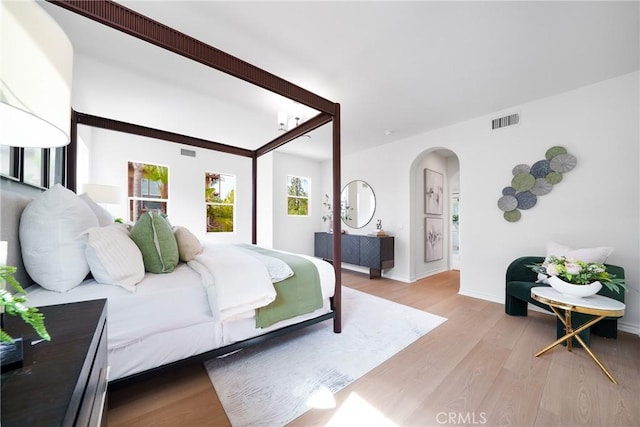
{"type": "Point", "coordinates": [507, 203]}
{"type": "Point", "coordinates": [529, 183]}
{"type": "Point", "coordinates": [512, 216]}
{"type": "Point", "coordinates": [518, 169]}
{"type": "Point", "coordinates": [554, 151]}
{"type": "Point", "coordinates": [526, 200]}
{"type": "Point", "coordinates": [554, 177]}
{"type": "Point", "coordinates": [523, 181]}
{"type": "Point", "coordinates": [563, 163]}
{"type": "Point", "coordinates": [540, 169]}
{"type": "Point", "coordinates": [541, 187]}
{"type": "Point", "coordinates": [509, 191]}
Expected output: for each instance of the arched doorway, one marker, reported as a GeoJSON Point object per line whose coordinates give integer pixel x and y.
{"type": "Point", "coordinates": [435, 231]}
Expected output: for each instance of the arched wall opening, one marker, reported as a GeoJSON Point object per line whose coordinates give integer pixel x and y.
{"type": "Point", "coordinates": [434, 182]}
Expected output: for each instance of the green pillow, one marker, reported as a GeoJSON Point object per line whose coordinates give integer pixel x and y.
{"type": "Point", "coordinates": [154, 236]}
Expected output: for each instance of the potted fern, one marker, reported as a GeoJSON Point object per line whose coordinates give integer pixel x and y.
{"type": "Point", "coordinates": [14, 305]}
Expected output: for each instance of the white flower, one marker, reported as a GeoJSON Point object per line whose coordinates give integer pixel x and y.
{"type": "Point", "coordinates": [552, 270]}
{"type": "Point", "coordinates": [573, 268]}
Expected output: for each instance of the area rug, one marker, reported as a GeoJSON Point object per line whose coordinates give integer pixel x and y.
{"type": "Point", "coordinates": [273, 383]}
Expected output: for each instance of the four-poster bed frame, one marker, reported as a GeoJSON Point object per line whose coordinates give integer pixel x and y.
{"type": "Point", "coordinates": [137, 25]}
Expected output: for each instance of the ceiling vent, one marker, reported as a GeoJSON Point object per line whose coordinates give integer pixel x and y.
{"type": "Point", "coordinates": [505, 121]}
{"type": "Point", "coordinates": [189, 153]}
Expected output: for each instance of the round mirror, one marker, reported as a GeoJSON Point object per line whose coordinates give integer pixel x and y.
{"type": "Point", "coordinates": [358, 203]}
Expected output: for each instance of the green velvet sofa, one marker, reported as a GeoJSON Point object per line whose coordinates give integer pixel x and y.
{"type": "Point", "coordinates": [519, 281]}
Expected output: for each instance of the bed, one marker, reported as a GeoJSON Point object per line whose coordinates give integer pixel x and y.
{"type": "Point", "coordinates": [199, 334]}
{"type": "Point", "coordinates": [172, 317]}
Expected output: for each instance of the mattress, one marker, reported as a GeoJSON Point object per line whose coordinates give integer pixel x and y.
{"type": "Point", "coordinates": [168, 318]}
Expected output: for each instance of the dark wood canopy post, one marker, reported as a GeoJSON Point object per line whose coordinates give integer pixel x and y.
{"type": "Point", "coordinates": [71, 155]}
{"type": "Point", "coordinates": [337, 221]}
{"type": "Point", "coordinates": [254, 200]}
{"type": "Point", "coordinates": [128, 21]}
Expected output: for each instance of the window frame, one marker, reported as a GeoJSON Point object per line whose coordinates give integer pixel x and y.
{"type": "Point", "coordinates": [131, 199]}
{"type": "Point", "coordinates": [208, 203]}
{"type": "Point", "coordinates": [307, 197]}
{"type": "Point", "coordinates": [17, 166]}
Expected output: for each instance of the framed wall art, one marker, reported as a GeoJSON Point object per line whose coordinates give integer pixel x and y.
{"type": "Point", "coordinates": [433, 239]}
{"type": "Point", "coordinates": [433, 192]}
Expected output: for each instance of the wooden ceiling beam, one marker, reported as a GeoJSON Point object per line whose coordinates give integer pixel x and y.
{"type": "Point", "coordinates": [123, 19]}
{"type": "Point", "coordinates": [298, 131]}
{"type": "Point", "coordinates": [116, 125]}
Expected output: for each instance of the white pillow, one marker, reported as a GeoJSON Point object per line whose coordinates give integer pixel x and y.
{"type": "Point", "coordinates": [113, 257]}
{"type": "Point", "coordinates": [103, 215]}
{"type": "Point", "coordinates": [598, 255]}
{"type": "Point", "coordinates": [188, 244]}
{"type": "Point", "coordinates": [53, 248]}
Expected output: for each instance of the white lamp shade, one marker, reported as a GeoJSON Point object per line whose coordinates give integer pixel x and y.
{"type": "Point", "coordinates": [100, 193]}
{"type": "Point", "coordinates": [35, 77]}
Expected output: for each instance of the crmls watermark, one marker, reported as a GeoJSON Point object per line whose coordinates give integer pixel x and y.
{"type": "Point", "coordinates": [473, 418]}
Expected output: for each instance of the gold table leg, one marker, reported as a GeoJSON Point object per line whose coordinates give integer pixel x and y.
{"type": "Point", "coordinates": [574, 333]}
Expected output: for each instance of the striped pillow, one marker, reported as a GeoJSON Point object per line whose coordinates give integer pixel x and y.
{"type": "Point", "coordinates": [113, 257]}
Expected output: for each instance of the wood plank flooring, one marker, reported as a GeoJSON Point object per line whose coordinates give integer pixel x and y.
{"type": "Point", "coordinates": [477, 368]}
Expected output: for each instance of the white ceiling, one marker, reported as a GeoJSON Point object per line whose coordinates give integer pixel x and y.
{"type": "Point", "coordinates": [407, 67]}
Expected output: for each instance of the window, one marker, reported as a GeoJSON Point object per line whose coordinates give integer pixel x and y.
{"type": "Point", "coordinates": [298, 195]}
{"type": "Point", "coordinates": [148, 189]}
{"type": "Point", "coordinates": [33, 166]}
{"type": "Point", "coordinates": [5, 160]}
{"type": "Point", "coordinates": [40, 167]}
{"type": "Point", "coordinates": [56, 166]}
{"type": "Point", "coordinates": [219, 195]}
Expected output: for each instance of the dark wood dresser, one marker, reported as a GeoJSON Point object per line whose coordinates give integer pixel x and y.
{"type": "Point", "coordinates": [62, 382]}
{"type": "Point", "coordinates": [375, 252]}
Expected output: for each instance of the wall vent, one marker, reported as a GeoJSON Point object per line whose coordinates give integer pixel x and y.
{"type": "Point", "coordinates": [505, 121]}
{"type": "Point", "coordinates": [189, 153]}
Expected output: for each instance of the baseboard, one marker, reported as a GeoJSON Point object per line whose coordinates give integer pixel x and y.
{"type": "Point", "coordinates": [365, 270]}
{"type": "Point", "coordinates": [629, 328]}
{"type": "Point", "coordinates": [429, 274]}
{"type": "Point", "coordinates": [486, 297]}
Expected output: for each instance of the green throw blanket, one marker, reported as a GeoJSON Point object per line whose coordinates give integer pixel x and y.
{"type": "Point", "coordinates": [299, 294]}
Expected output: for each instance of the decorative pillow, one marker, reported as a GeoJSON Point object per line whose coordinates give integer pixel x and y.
{"type": "Point", "coordinates": [53, 247]}
{"type": "Point", "coordinates": [598, 255]}
{"type": "Point", "coordinates": [188, 244]}
{"type": "Point", "coordinates": [104, 217]}
{"type": "Point", "coordinates": [113, 257]}
{"type": "Point", "coordinates": [154, 236]}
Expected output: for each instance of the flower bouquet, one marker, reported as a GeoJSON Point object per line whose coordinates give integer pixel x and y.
{"type": "Point", "coordinates": [576, 272]}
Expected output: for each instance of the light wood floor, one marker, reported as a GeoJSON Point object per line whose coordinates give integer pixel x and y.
{"type": "Point", "coordinates": [477, 368]}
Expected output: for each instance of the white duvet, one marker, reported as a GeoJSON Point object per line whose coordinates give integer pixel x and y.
{"type": "Point", "coordinates": [236, 281]}
{"type": "Point", "coordinates": [173, 316]}
{"type": "Point", "coordinates": [162, 302]}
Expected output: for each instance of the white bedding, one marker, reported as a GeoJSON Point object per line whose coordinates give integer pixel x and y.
{"type": "Point", "coordinates": [236, 282]}
{"type": "Point", "coordinates": [162, 302]}
{"type": "Point", "coordinates": [169, 317]}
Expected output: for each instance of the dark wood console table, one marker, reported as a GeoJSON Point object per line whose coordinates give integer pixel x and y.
{"type": "Point", "coordinates": [375, 252]}
{"type": "Point", "coordinates": [62, 382]}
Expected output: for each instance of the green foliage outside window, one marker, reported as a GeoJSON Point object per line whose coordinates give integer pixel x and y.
{"type": "Point", "coordinates": [220, 200]}
{"type": "Point", "coordinates": [148, 188]}
{"type": "Point", "coordinates": [298, 196]}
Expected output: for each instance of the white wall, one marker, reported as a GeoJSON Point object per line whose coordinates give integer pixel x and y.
{"type": "Point", "coordinates": [265, 201]}
{"type": "Point", "coordinates": [109, 153]}
{"type": "Point", "coordinates": [596, 204]}
{"type": "Point", "coordinates": [295, 233]}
